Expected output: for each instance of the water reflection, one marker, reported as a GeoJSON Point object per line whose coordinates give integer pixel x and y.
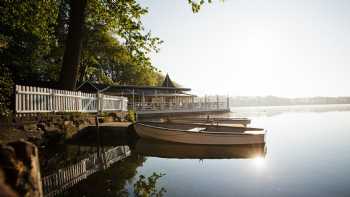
{"type": "Point", "coordinates": [104, 162]}
{"type": "Point", "coordinates": [259, 161]}
{"type": "Point", "coordinates": [70, 175]}
{"type": "Point", "coordinates": [122, 179]}
{"type": "Point", "coordinates": [176, 150]}
{"type": "Point", "coordinates": [85, 155]}
{"type": "Point", "coordinates": [308, 155]}
{"type": "Point", "coordinates": [110, 182]}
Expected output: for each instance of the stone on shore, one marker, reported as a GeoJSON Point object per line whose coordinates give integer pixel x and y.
{"type": "Point", "coordinates": [19, 164]}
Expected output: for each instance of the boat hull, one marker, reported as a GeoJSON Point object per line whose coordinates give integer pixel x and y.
{"type": "Point", "coordinates": [188, 137]}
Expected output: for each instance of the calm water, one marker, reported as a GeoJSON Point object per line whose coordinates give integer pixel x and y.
{"type": "Point", "coordinates": [307, 153]}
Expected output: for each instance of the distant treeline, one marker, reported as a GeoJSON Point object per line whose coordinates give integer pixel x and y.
{"type": "Point", "coordinates": [279, 101]}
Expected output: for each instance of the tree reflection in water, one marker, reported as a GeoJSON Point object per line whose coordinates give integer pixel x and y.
{"type": "Point", "coordinates": [145, 188]}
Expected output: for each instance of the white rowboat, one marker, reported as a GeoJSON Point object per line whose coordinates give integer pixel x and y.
{"type": "Point", "coordinates": [200, 134]}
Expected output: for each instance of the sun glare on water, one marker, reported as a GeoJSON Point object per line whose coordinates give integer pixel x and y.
{"type": "Point", "coordinates": [259, 162]}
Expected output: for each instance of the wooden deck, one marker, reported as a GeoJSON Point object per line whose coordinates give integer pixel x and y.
{"type": "Point", "coordinates": [165, 113]}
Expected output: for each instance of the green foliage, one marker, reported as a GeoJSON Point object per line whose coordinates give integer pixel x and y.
{"type": "Point", "coordinates": [147, 187]}
{"type": "Point", "coordinates": [123, 18]}
{"type": "Point", "coordinates": [26, 37]}
{"type": "Point", "coordinates": [115, 47]}
{"type": "Point", "coordinates": [197, 4]}
{"type": "Point", "coordinates": [131, 116]}
{"type": "Point", "coordinates": [6, 92]}
{"type": "Point", "coordinates": [105, 60]}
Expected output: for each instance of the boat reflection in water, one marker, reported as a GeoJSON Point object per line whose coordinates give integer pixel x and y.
{"type": "Point", "coordinates": [164, 149]}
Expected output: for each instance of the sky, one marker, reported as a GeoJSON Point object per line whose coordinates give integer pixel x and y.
{"type": "Point", "coordinates": [288, 48]}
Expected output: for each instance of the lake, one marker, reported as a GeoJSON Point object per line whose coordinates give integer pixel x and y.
{"type": "Point", "coordinates": [307, 153]}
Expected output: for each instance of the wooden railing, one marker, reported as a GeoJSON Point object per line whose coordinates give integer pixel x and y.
{"type": "Point", "coordinates": [143, 107]}
{"type": "Point", "coordinates": [65, 178]}
{"type": "Point", "coordinates": [40, 100]}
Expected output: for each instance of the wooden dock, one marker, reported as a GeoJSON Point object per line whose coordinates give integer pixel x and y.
{"type": "Point", "coordinates": [187, 112]}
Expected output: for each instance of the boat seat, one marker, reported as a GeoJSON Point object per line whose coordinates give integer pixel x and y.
{"type": "Point", "coordinates": [197, 129]}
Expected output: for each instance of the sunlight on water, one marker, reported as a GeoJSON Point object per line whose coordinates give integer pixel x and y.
{"type": "Point", "coordinates": [259, 162]}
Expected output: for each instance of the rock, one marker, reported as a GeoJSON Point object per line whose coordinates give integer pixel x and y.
{"type": "Point", "coordinates": [51, 128]}
{"type": "Point", "coordinates": [57, 120]}
{"type": "Point", "coordinates": [5, 189]}
{"type": "Point", "coordinates": [8, 155]}
{"type": "Point", "coordinates": [67, 123]}
{"type": "Point", "coordinates": [91, 120]}
{"type": "Point", "coordinates": [108, 119]}
{"type": "Point", "coordinates": [70, 130]}
{"type": "Point", "coordinates": [34, 136]}
{"type": "Point", "coordinates": [30, 127]}
{"type": "Point", "coordinates": [52, 138]}
{"type": "Point", "coordinates": [83, 126]}
{"type": "Point", "coordinates": [20, 163]}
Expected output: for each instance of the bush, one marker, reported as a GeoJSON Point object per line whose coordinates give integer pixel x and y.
{"type": "Point", "coordinates": [6, 92]}
{"type": "Point", "coordinates": [131, 116]}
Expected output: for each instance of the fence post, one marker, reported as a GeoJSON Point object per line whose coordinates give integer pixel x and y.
{"type": "Point", "coordinates": [53, 101]}
{"type": "Point", "coordinates": [101, 102]}
{"type": "Point", "coordinates": [17, 99]}
{"type": "Point", "coordinates": [80, 107]}
{"type": "Point", "coordinates": [228, 102]}
{"type": "Point", "coordinates": [84, 168]}
{"type": "Point", "coordinates": [97, 102]}
{"type": "Point", "coordinates": [121, 104]}
{"type": "Point", "coordinates": [217, 102]}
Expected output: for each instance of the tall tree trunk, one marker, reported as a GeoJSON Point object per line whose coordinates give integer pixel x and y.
{"type": "Point", "coordinates": [71, 58]}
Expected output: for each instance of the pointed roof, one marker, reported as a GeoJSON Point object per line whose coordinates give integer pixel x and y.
{"type": "Point", "coordinates": [167, 82]}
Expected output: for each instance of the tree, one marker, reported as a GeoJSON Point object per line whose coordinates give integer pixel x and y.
{"type": "Point", "coordinates": [26, 38]}
{"type": "Point", "coordinates": [122, 17]}
{"type": "Point", "coordinates": [26, 34]}
{"type": "Point", "coordinates": [71, 58]}
{"type": "Point", "coordinates": [105, 60]}
{"type": "Point", "coordinates": [67, 40]}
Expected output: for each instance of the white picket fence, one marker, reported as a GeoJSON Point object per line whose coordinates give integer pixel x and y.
{"type": "Point", "coordinates": [43, 100]}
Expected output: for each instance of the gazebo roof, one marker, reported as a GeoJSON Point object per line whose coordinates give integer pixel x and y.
{"type": "Point", "coordinates": [92, 87]}
{"type": "Point", "coordinates": [167, 82]}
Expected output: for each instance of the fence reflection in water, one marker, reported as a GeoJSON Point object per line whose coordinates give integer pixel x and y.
{"type": "Point", "coordinates": [65, 178]}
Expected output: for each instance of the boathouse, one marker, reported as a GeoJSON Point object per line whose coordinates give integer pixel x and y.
{"type": "Point", "coordinates": [166, 98]}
